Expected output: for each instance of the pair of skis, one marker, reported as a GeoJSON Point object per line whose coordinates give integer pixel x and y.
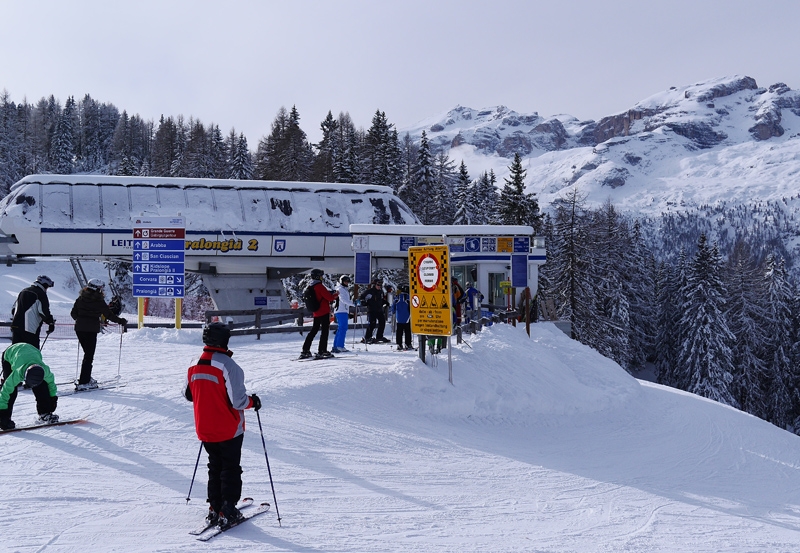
{"type": "Point", "coordinates": [115, 382]}
{"type": "Point", "coordinates": [248, 510]}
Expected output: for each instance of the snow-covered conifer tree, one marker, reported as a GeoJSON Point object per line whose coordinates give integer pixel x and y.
{"type": "Point", "coordinates": [706, 350]}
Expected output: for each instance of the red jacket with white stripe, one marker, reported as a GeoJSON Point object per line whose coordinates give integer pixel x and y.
{"type": "Point", "coordinates": [215, 384]}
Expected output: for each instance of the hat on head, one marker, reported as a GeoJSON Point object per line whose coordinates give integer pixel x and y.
{"type": "Point", "coordinates": [217, 334]}
{"type": "Point", "coordinates": [344, 278]}
{"type": "Point", "coordinates": [34, 376]}
{"type": "Point", "coordinates": [317, 273]}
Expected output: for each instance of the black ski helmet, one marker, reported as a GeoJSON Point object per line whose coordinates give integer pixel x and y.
{"type": "Point", "coordinates": [34, 376]}
{"type": "Point", "coordinates": [216, 334]}
{"type": "Point", "coordinates": [317, 273]}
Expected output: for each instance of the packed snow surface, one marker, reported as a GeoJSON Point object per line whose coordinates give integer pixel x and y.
{"type": "Point", "coordinates": [539, 445]}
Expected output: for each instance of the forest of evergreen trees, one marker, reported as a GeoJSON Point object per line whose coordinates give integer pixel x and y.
{"type": "Point", "coordinates": [640, 291]}
{"type": "Point", "coordinates": [704, 296]}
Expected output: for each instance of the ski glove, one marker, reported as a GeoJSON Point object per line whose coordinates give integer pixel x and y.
{"type": "Point", "coordinates": [256, 402]}
{"type": "Point", "coordinates": [51, 328]}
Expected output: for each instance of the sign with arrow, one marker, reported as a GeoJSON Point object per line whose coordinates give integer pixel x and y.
{"type": "Point", "coordinates": [158, 257]}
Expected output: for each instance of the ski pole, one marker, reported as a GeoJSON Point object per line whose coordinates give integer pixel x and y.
{"type": "Point", "coordinates": [77, 360]}
{"type": "Point", "coordinates": [263, 443]}
{"type": "Point", "coordinates": [189, 495]}
{"type": "Point", "coordinates": [46, 336]}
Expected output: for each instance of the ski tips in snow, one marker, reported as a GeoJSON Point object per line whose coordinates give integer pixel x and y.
{"type": "Point", "coordinates": [43, 425]}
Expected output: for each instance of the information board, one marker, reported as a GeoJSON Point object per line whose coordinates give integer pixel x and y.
{"type": "Point", "coordinates": [158, 257]}
{"type": "Point", "coordinates": [429, 287]}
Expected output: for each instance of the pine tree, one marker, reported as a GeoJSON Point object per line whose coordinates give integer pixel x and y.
{"type": "Point", "coordinates": [637, 268]}
{"type": "Point", "coordinates": [779, 331]}
{"type": "Point", "coordinates": [463, 195]}
{"type": "Point", "coordinates": [164, 147]}
{"type": "Point", "coordinates": [218, 154]}
{"type": "Point", "coordinates": [296, 157]}
{"type": "Point", "coordinates": [706, 351]}
{"type": "Point", "coordinates": [515, 207]}
{"type": "Point", "coordinates": [177, 167]}
{"type": "Point", "coordinates": [417, 194]}
{"type": "Point", "coordinates": [746, 317]}
{"type": "Point", "coordinates": [443, 199]}
{"type": "Point", "coordinates": [568, 266]}
{"type": "Point", "coordinates": [347, 164]}
{"type": "Point", "coordinates": [485, 200]}
{"type": "Point", "coordinates": [328, 151]}
{"type": "Point", "coordinates": [63, 148]}
{"type": "Point", "coordinates": [381, 155]}
{"type": "Point", "coordinates": [409, 152]}
{"type": "Point", "coordinates": [241, 165]}
{"type": "Point", "coordinates": [10, 144]}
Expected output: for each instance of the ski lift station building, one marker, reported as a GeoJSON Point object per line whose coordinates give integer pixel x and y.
{"type": "Point", "coordinates": [245, 236]}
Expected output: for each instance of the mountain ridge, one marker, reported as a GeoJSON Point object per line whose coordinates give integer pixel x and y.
{"type": "Point", "coordinates": [724, 139]}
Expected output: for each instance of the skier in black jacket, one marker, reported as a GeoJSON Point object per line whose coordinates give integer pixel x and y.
{"type": "Point", "coordinates": [31, 309]}
{"type": "Point", "coordinates": [86, 311]}
{"type": "Point", "coordinates": [375, 300]}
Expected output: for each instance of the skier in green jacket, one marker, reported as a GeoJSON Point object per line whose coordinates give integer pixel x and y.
{"type": "Point", "coordinates": [23, 363]}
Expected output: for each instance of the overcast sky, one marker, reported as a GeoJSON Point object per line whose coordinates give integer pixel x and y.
{"type": "Point", "coordinates": [236, 63]}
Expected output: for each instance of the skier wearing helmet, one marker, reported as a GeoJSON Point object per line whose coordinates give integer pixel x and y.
{"type": "Point", "coordinates": [322, 316]}
{"type": "Point", "coordinates": [86, 311]}
{"type": "Point", "coordinates": [31, 309]}
{"type": "Point", "coordinates": [22, 363]}
{"type": "Point", "coordinates": [215, 385]}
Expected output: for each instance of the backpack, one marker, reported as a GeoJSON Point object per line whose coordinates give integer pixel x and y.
{"type": "Point", "coordinates": [310, 298]}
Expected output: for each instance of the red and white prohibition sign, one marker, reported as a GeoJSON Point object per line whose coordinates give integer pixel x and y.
{"type": "Point", "coordinates": [428, 272]}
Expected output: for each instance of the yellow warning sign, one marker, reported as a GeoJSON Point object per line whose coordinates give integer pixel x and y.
{"type": "Point", "coordinates": [429, 287]}
{"type": "Point", "coordinates": [505, 243]}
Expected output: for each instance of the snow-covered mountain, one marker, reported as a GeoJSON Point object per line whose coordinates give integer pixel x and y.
{"type": "Point", "coordinates": [723, 140]}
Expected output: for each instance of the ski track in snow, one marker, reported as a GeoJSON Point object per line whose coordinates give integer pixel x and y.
{"type": "Point", "coordinates": [541, 445]}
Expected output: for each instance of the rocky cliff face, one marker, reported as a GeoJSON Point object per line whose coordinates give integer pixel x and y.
{"type": "Point", "coordinates": [691, 112]}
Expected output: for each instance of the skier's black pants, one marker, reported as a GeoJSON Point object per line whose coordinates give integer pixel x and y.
{"type": "Point", "coordinates": [224, 471]}
{"type": "Point", "coordinates": [44, 403]}
{"type": "Point", "coordinates": [88, 341]}
{"type": "Point", "coordinates": [404, 331]}
{"type": "Point", "coordinates": [322, 324]}
{"type": "Point", "coordinates": [20, 336]}
{"type": "Point", "coordinates": [376, 318]}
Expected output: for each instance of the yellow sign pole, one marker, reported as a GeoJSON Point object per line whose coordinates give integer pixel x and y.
{"type": "Point", "coordinates": [140, 311]}
{"type": "Point", "coordinates": [178, 309]}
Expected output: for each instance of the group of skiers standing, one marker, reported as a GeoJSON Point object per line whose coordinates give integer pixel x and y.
{"type": "Point", "coordinates": [22, 361]}
{"type": "Point", "coordinates": [378, 300]}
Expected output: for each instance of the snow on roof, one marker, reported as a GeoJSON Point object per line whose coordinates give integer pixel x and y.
{"type": "Point", "coordinates": [109, 202]}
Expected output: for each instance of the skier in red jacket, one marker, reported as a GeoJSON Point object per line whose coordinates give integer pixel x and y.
{"type": "Point", "coordinates": [322, 317]}
{"type": "Point", "coordinates": [215, 384]}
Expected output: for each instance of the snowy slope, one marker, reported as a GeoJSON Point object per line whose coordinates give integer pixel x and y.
{"type": "Point", "coordinates": [541, 444]}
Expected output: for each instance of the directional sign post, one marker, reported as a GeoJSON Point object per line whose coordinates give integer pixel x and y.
{"type": "Point", "coordinates": [158, 260]}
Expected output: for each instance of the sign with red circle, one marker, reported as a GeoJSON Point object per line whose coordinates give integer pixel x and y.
{"type": "Point", "coordinates": [428, 272]}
